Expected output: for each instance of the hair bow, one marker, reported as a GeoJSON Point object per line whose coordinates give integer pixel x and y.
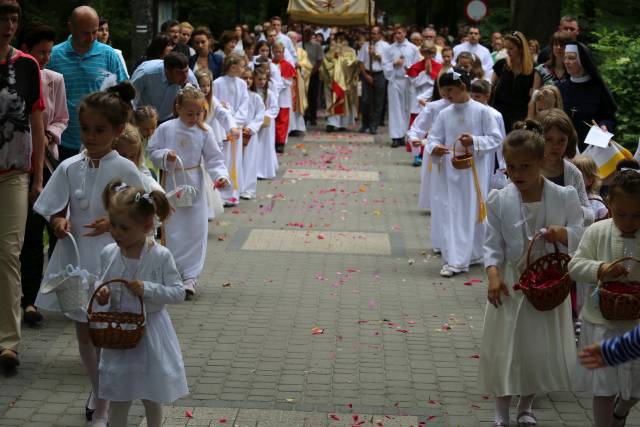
{"type": "Point", "coordinates": [630, 169]}
{"type": "Point", "coordinates": [454, 74]}
{"type": "Point", "coordinates": [121, 187]}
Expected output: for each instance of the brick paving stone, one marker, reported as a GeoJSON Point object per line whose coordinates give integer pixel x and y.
{"type": "Point", "coordinates": [250, 355]}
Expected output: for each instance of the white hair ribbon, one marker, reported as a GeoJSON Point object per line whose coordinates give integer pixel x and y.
{"type": "Point", "coordinates": [147, 197]}
{"type": "Point", "coordinates": [454, 74]}
{"type": "Point", "coordinates": [630, 169]}
{"type": "Point", "coordinates": [121, 187]}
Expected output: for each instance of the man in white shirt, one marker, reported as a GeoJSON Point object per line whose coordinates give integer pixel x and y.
{"type": "Point", "coordinates": [276, 24]}
{"type": "Point", "coordinates": [374, 84]}
{"type": "Point", "coordinates": [397, 58]}
{"type": "Point", "coordinates": [472, 45]}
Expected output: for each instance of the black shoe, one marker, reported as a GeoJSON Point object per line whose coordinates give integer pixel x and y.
{"type": "Point", "coordinates": [9, 361]}
{"type": "Point", "coordinates": [32, 317]}
{"type": "Point", "coordinates": [280, 148]}
{"type": "Point", "coordinates": [330, 128]}
{"type": "Point", "coordinates": [363, 130]}
{"type": "Point", "coordinates": [341, 129]}
{"type": "Point", "coordinates": [396, 143]}
{"type": "Point", "coordinates": [295, 133]}
{"type": "Point", "coordinates": [373, 131]}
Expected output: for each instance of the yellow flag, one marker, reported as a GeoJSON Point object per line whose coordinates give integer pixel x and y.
{"type": "Point", "coordinates": [606, 158]}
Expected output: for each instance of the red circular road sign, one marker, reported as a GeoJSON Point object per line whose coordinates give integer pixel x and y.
{"type": "Point", "coordinates": [476, 10]}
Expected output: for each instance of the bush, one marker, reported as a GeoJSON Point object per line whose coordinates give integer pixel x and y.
{"type": "Point", "coordinates": [619, 59]}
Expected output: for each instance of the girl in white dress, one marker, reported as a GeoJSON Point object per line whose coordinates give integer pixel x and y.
{"type": "Point", "coordinates": [153, 371]}
{"type": "Point", "coordinates": [129, 146]}
{"type": "Point", "coordinates": [615, 390]}
{"type": "Point", "coordinates": [267, 158]}
{"type": "Point", "coordinates": [232, 92]}
{"type": "Point", "coordinates": [191, 140]}
{"type": "Point", "coordinates": [457, 194]}
{"type": "Point", "coordinates": [524, 351]}
{"type": "Point", "coordinates": [71, 201]}
{"type": "Point", "coordinates": [255, 119]}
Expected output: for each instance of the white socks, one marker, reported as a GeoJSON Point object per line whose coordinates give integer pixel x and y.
{"type": "Point", "coordinates": [89, 355]}
{"type": "Point", "coordinates": [119, 413]}
{"type": "Point", "coordinates": [525, 404]}
{"type": "Point", "coordinates": [502, 410]}
{"type": "Point", "coordinates": [153, 410]}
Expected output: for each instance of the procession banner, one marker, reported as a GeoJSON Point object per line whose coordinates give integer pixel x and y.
{"type": "Point", "coordinates": [332, 12]}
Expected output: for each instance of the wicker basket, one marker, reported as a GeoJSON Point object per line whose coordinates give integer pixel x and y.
{"type": "Point", "coordinates": [112, 329]}
{"type": "Point", "coordinates": [619, 305]}
{"type": "Point", "coordinates": [552, 269]}
{"type": "Point", "coordinates": [462, 161]}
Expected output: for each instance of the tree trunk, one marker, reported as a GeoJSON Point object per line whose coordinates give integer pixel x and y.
{"type": "Point", "coordinates": [536, 19]}
{"type": "Point", "coordinates": [142, 13]}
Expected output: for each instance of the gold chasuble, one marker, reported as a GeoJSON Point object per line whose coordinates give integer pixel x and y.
{"type": "Point", "coordinates": [301, 82]}
{"type": "Point", "coordinates": [339, 72]}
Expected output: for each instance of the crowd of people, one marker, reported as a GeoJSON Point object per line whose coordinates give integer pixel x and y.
{"type": "Point", "coordinates": [134, 165]}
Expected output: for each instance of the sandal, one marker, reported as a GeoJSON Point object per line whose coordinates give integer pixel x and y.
{"type": "Point", "coordinates": [9, 360]}
{"type": "Point", "coordinates": [88, 412]}
{"type": "Point", "coordinates": [524, 417]}
{"type": "Point", "coordinates": [497, 424]}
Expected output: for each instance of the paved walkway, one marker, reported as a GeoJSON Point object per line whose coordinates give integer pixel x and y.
{"type": "Point", "coordinates": [320, 304]}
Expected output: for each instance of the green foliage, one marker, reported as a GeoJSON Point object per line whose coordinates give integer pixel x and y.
{"type": "Point", "coordinates": [619, 55]}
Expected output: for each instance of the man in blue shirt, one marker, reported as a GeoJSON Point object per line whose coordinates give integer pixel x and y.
{"type": "Point", "coordinates": [158, 81]}
{"type": "Point", "coordinates": [87, 66]}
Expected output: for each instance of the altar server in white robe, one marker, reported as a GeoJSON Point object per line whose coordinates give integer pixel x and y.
{"type": "Point", "coordinates": [267, 158]}
{"type": "Point", "coordinates": [525, 351]}
{"type": "Point", "coordinates": [232, 91]}
{"type": "Point", "coordinates": [417, 136]}
{"type": "Point", "coordinates": [457, 195]}
{"type": "Point", "coordinates": [153, 371]}
{"type": "Point", "coordinates": [72, 203]}
{"type": "Point", "coordinates": [177, 148]}
{"type": "Point", "coordinates": [397, 59]}
{"type": "Point", "coordinates": [255, 118]}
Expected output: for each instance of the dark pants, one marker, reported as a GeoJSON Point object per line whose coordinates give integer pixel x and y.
{"type": "Point", "coordinates": [32, 255]}
{"type": "Point", "coordinates": [373, 101]}
{"type": "Point", "coordinates": [312, 98]}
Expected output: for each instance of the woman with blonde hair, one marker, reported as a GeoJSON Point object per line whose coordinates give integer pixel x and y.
{"type": "Point", "coordinates": [513, 80]}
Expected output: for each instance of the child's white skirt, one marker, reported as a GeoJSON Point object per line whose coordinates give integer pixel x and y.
{"type": "Point", "coordinates": [153, 370]}
{"type": "Point", "coordinates": [622, 379]}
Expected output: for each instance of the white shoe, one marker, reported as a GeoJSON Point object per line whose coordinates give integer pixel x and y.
{"type": "Point", "coordinates": [446, 271]}
{"type": "Point", "coordinates": [449, 271]}
{"type": "Point", "coordinates": [246, 196]}
{"type": "Point", "coordinates": [189, 287]}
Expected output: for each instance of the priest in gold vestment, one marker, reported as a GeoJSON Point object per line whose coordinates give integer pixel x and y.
{"type": "Point", "coordinates": [339, 73]}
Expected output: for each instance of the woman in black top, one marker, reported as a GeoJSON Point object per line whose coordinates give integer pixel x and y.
{"type": "Point", "coordinates": [512, 80]}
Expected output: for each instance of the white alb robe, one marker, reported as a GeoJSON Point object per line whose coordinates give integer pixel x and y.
{"type": "Point", "coordinates": [185, 231]}
{"type": "Point", "coordinates": [454, 203]}
{"type": "Point", "coordinates": [399, 90]}
{"type": "Point", "coordinates": [255, 118]}
{"type": "Point", "coordinates": [232, 92]}
{"type": "Point", "coordinates": [70, 178]}
{"type": "Point", "coordinates": [525, 351]}
{"type": "Point", "coordinates": [267, 158]}
{"type": "Point", "coordinates": [154, 369]}
{"type": "Point", "coordinates": [418, 132]}
{"type": "Point", "coordinates": [422, 88]}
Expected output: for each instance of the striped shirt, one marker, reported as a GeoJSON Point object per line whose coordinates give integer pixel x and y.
{"type": "Point", "coordinates": [93, 71]}
{"type": "Point", "coordinates": [621, 349]}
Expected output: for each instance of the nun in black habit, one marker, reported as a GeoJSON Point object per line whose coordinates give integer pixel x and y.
{"type": "Point", "coordinates": [585, 95]}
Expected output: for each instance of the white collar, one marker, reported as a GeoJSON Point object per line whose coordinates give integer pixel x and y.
{"type": "Point", "coordinates": [581, 79]}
